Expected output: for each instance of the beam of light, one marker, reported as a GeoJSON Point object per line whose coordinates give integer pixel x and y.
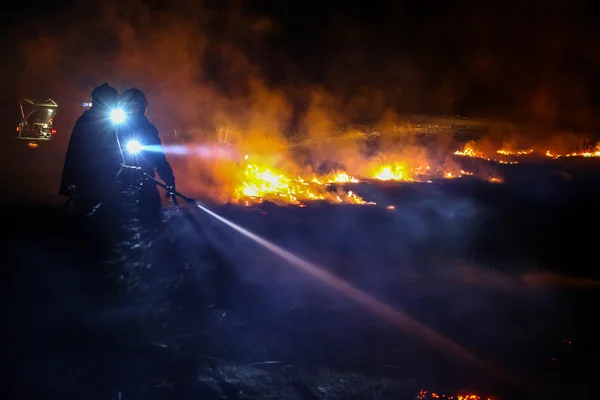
{"type": "Point", "coordinates": [398, 319]}
{"type": "Point", "coordinates": [215, 152]}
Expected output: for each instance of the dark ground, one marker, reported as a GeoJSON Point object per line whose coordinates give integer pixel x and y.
{"type": "Point", "coordinates": [508, 271]}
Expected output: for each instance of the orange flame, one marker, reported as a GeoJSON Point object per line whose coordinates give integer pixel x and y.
{"type": "Point", "coordinates": [260, 182]}
{"type": "Point", "coordinates": [258, 178]}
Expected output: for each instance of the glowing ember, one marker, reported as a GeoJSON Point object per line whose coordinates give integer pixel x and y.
{"type": "Point", "coordinates": [470, 151]}
{"type": "Point", "coordinates": [514, 153]}
{"type": "Point", "coordinates": [426, 395]}
{"type": "Point", "coordinates": [451, 175]}
{"type": "Point", "coordinates": [594, 153]}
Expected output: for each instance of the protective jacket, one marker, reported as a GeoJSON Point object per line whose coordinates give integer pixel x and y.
{"type": "Point", "coordinates": [152, 158]}
{"type": "Point", "coordinates": [93, 157]}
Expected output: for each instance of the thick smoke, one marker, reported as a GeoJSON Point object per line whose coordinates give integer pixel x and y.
{"type": "Point", "coordinates": [257, 82]}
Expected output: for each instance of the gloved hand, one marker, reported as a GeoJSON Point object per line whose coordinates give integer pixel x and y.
{"type": "Point", "coordinates": [170, 189]}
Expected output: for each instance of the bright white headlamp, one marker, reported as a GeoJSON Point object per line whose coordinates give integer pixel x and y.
{"type": "Point", "coordinates": [133, 147]}
{"type": "Point", "coordinates": [117, 115]}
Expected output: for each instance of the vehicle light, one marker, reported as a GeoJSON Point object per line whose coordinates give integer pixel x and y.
{"type": "Point", "coordinates": [53, 131]}
{"type": "Point", "coordinates": [18, 129]}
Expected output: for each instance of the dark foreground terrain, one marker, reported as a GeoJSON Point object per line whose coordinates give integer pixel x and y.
{"type": "Point", "coordinates": [198, 311]}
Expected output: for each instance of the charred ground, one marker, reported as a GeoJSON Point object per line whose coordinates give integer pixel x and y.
{"type": "Point", "coordinates": [197, 310]}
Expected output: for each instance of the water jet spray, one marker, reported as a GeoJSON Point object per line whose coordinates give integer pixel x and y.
{"type": "Point", "coordinates": [395, 317]}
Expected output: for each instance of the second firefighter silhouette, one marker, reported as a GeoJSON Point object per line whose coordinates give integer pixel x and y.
{"type": "Point", "coordinates": [142, 147]}
{"type": "Point", "coordinates": [92, 161]}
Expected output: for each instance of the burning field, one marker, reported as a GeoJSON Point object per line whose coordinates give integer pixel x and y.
{"type": "Point", "coordinates": [511, 156]}
{"type": "Point", "coordinates": [252, 170]}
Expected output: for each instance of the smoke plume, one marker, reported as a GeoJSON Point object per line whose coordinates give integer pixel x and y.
{"type": "Point", "coordinates": [250, 81]}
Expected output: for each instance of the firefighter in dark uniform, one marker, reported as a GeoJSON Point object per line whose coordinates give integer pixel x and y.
{"type": "Point", "coordinates": [151, 159]}
{"type": "Point", "coordinates": [93, 156]}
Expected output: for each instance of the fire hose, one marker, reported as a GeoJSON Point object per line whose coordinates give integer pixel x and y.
{"type": "Point", "coordinates": [171, 194]}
